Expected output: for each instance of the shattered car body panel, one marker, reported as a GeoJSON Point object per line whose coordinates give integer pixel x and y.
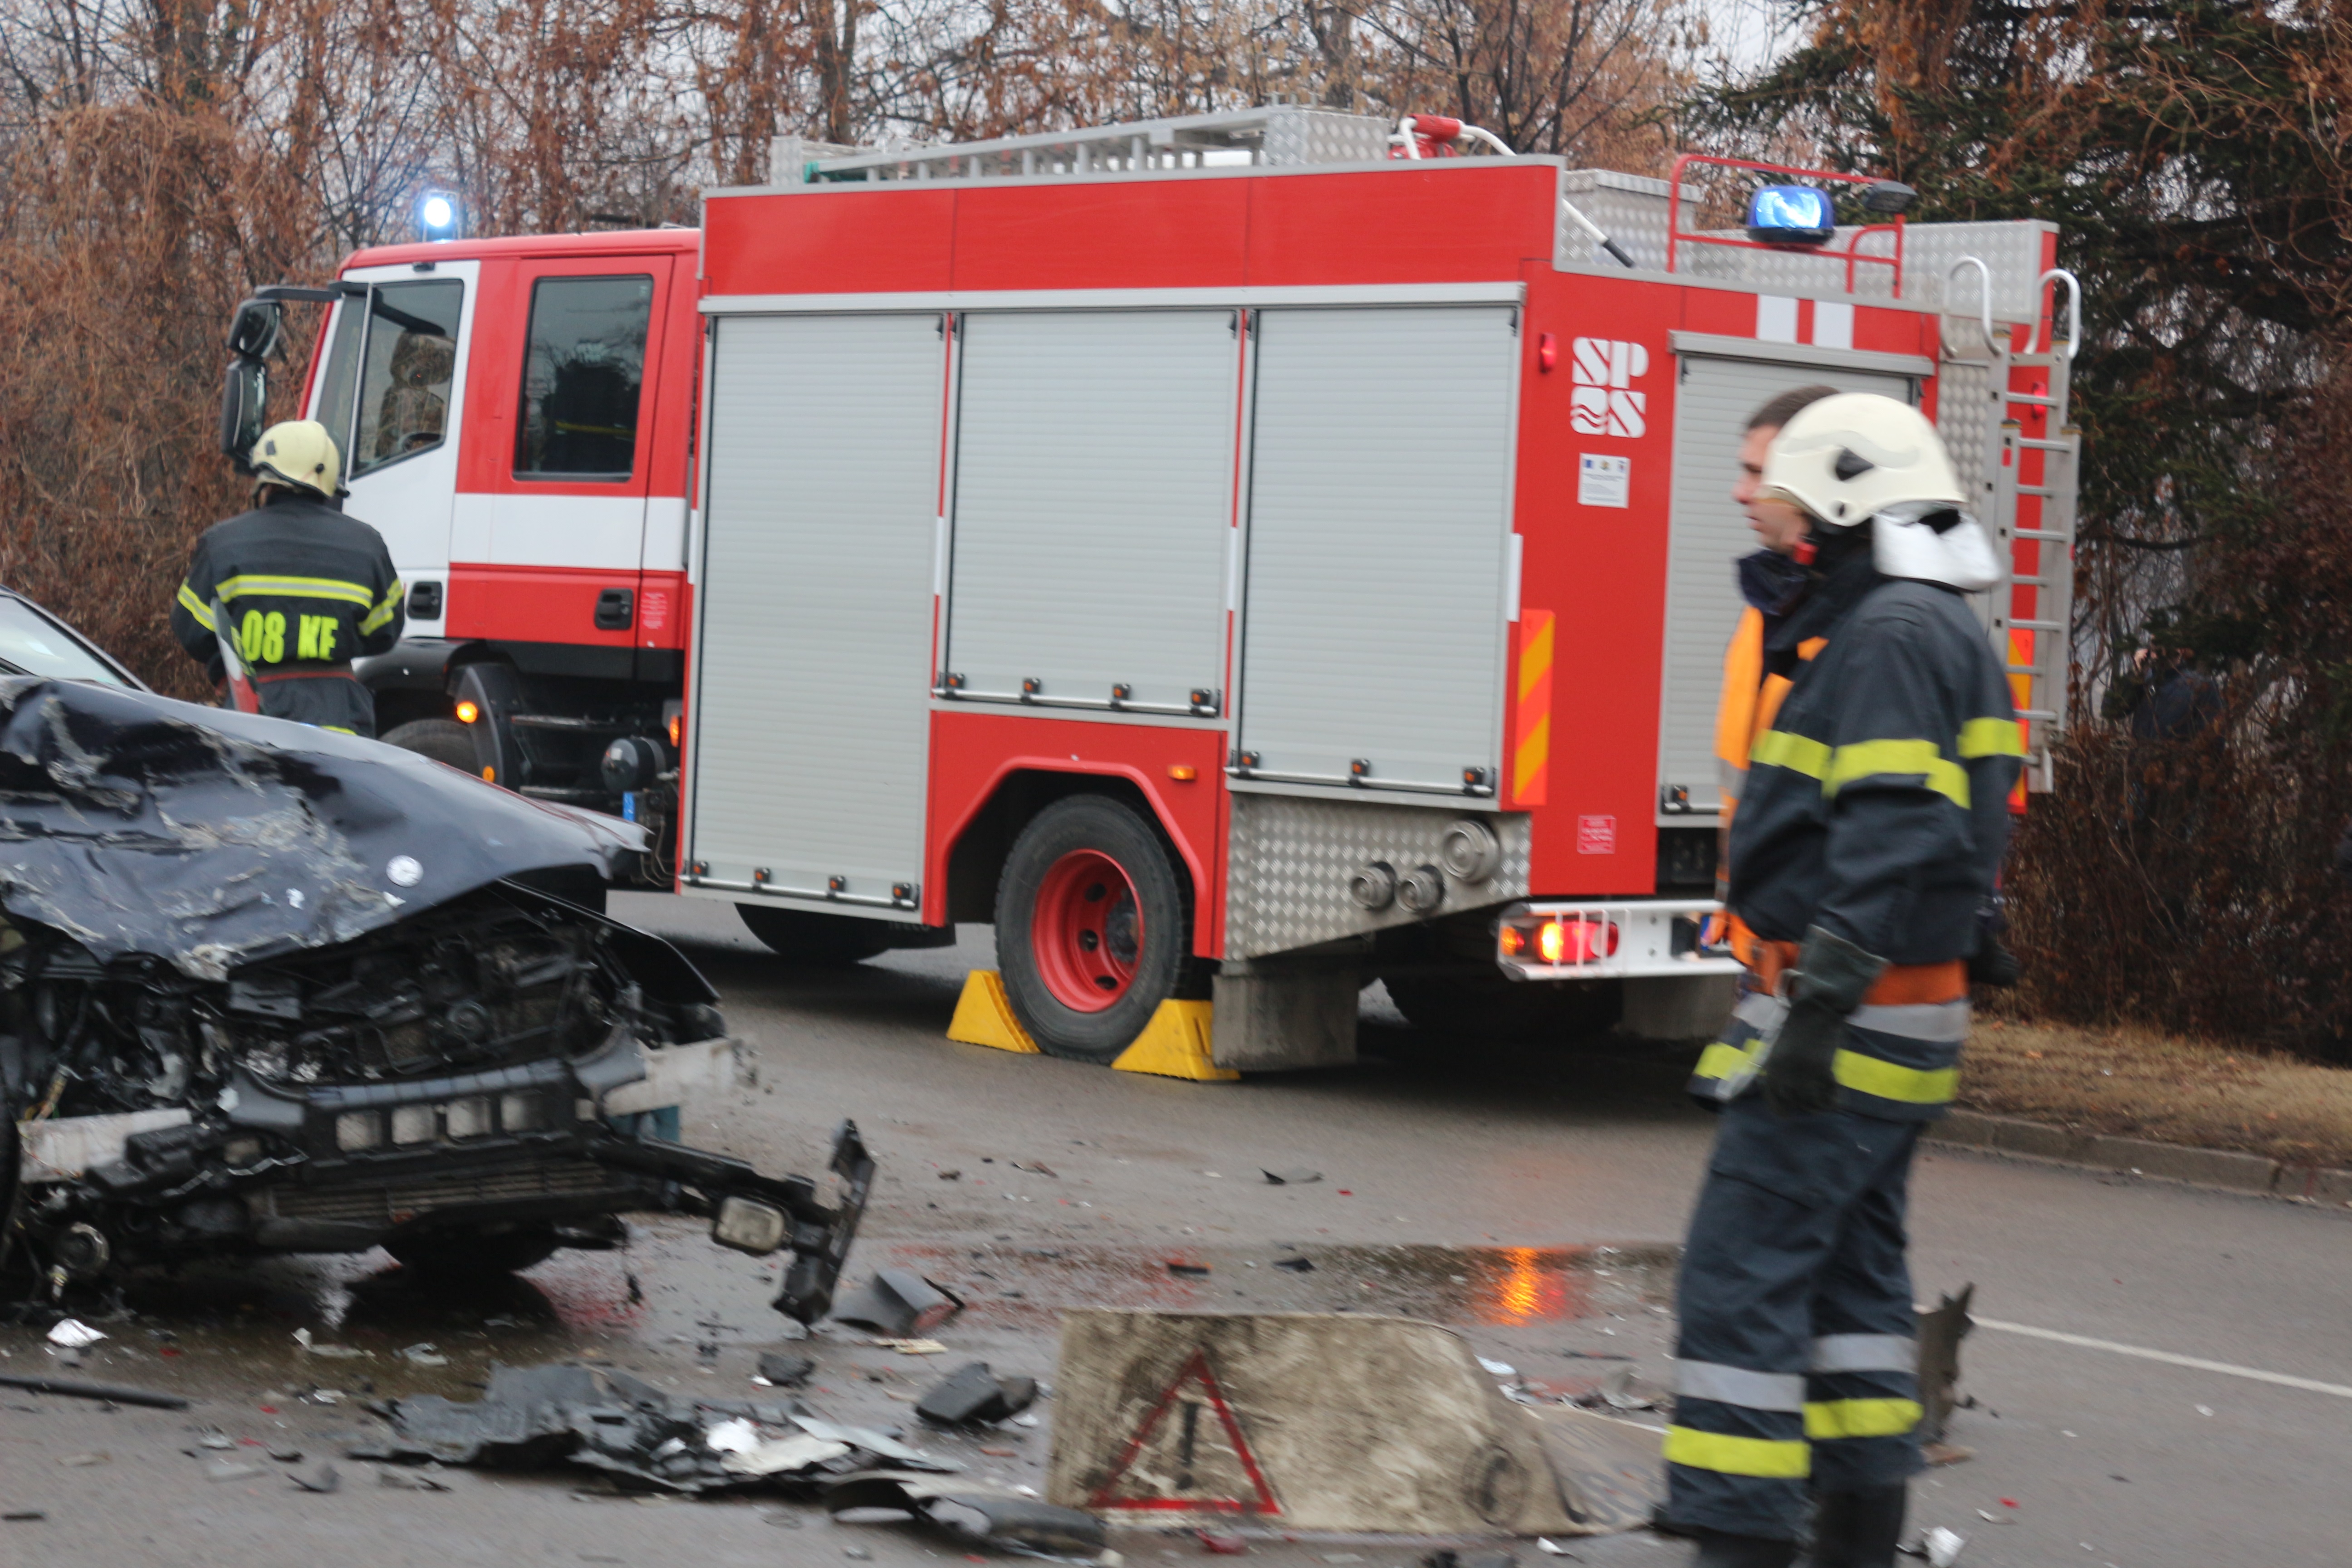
{"type": "Point", "coordinates": [268, 988]}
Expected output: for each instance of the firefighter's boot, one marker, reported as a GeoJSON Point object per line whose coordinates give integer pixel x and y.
{"type": "Point", "coordinates": [1858, 1529]}
{"type": "Point", "coordinates": [1721, 1549]}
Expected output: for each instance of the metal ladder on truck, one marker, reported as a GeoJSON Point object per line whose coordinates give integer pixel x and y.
{"type": "Point", "coordinates": [2028, 389]}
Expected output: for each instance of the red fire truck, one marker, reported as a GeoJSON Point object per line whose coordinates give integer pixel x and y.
{"type": "Point", "coordinates": [1239, 555]}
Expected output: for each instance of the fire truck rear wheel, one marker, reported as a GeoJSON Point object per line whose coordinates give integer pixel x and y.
{"type": "Point", "coordinates": [811, 939]}
{"type": "Point", "coordinates": [443, 739]}
{"type": "Point", "coordinates": [1094, 927]}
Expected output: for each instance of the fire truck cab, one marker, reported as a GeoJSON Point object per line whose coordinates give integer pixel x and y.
{"type": "Point", "coordinates": [1241, 556]}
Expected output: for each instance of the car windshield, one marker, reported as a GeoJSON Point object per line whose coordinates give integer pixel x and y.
{"type": "Point", "coordinates": [32, 643]}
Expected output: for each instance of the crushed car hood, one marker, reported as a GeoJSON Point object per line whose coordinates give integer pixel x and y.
{"type": "Point", "coordinates": [208, 838]}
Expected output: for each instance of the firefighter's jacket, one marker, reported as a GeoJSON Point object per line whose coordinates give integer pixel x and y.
{"type": "Point", "coordinates": [1876, 803]}
{"type": "Point", "coordinates": [307, 590]}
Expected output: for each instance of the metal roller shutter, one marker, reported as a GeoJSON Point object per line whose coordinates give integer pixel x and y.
{"type": "Point", "coordinates": [1708, 534]}
{"type": "Point", "coordinates": [812, 662]}
{"type": "Point", "coordinates": [1093, 506]}
{"type": "Point", "coordinates": [1374, 620]}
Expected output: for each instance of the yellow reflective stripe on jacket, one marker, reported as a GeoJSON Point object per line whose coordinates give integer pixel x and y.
{"type": "Point", "coordinates": [1860, 1417]}
{"type": "Point", "coordinates": [1779, 749]}
{"type": "Point", "coordinates": [1891, 1080]}
{"type": "Point", "coordinates": [248, 585]}
{"type": "Point", "coordinates": [197, 607]}
{"type": "Point", "coordinates": [381, 614]}
{"type": "Point", "coordinates": [1738, 1456]}
{"type": "Point", "coordinates": [1867, 758]}
{"type": "Point", "coordinates": [1992, 738]}
{"type": "Point", "coordinates": [1721, 1060]}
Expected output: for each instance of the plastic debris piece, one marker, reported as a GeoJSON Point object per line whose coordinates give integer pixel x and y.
{"type": "Point", "coordinates": [913, 1347]}
{"type": "Point", "coordinates": [232, 1470]}
{"type": "Point", "coordinates": [1295, 1265]}
{"type": "Point", "coordinates": [329, 1353]}
{"type": "Point", "coordinates": [285, 1454]}
{"type": "Point", "coordinates": [401, 1480]}
{"type": "Point", "coordinates": [898, 1302]}
{"type": "Point", "coordinates": [1942, 1546]}
{"type": "Point", "coordinates": [215, 1440]}
{"type": "Point", "coordinates": [321, 1477]}
{"type": "Point", "coordinates": [1551, 1548]}
{"type": "Point", "coordinates": [785, 1369]}
{"type": "Point", "coordinates": [973, 1514]}
{"type": "Point", "coordinates": [972, 1396]}
{"type": "Point", "coordinates": [793, 1456]}
{"type": "Point", "coordinates": [1037, 1168]}
{"type": "Point", "coordinates": [426, 1354]}
{"type": "Point", "coordinates": [73, 1334]}
{"type": "Point", "coordinates": [1297, 1176]}
{"type": "Point", "coordinates": [1220, 1543]}
{"type": "Point", "coordinates": [1499, 1368]}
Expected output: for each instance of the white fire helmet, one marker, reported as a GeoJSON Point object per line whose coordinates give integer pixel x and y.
{"type": "Point", "coordinates": [299, 454]}
{"type": "Point", "coordinates": [1858, 456]}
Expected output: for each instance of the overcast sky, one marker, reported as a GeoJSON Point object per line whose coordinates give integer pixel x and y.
{"type": "Point", "coordinates": [1748, 32]}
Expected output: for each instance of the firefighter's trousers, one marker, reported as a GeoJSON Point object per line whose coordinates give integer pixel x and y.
{"type": "Point", "coordinates": [1798, 1360]}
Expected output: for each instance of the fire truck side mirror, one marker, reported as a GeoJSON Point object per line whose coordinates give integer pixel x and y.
{"type": "Point", "coordinates": [245, 401]}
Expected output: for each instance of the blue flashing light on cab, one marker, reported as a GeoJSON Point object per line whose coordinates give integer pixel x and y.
{"type": "Point", "coordinates": [1792, 215]}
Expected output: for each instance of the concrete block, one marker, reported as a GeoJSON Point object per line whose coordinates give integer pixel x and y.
{"type": "Point", "coordinates": [1678, 1008]}
{"type": "Point", "coordinates": [1277, 1016]}
{"type": "Point", "coordinates": [2009, 1134]}
{"type": "Point", "coordinates": [2315, 1183]}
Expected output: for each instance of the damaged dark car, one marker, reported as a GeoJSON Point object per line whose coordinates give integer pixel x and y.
{"type": "Point", "coordinates": [264, 988]}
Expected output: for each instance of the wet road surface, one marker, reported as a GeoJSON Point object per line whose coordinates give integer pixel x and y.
{"type": "Point", "coordinates": [1530, 1200]}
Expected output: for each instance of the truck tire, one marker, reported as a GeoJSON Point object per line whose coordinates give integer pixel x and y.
{"type": "Point", "coordinates": [815, 940]}
{"type": "Point", "coordinates": [443, 739]}
{"type": "Point", "coordinates": [1541, 1010]}
{"type": "Point", "coordinates": [1094, 927]}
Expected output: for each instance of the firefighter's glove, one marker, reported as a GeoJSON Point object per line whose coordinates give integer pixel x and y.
{"type": "Point", "coordinates": [1828, 984]}
{"type": "Point", "coordinates": [1992, 963]}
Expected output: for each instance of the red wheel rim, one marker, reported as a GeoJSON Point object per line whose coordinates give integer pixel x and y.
{"type": "Point", "coordinates": [1087, 932]}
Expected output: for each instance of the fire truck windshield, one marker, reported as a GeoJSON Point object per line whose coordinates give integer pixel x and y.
{"type": "Point", "coordinates": [385, 392]}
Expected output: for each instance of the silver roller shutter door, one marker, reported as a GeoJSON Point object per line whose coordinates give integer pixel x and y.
{"type": "Point", "coordinates": [1093, 504]}
{"type": "Point", "coordinates": [1379, 528]}
{"type": "Point", "coordinates": [1709, 534]}
{"type": "Point", "coordinates": [811, 663]}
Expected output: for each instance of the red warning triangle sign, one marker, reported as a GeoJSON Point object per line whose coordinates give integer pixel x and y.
{"type": "Point", "coordinates": [1187, 1455]}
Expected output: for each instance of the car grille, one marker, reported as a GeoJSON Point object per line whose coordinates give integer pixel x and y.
{"type": "Point", "coordinates": [396, 1205]}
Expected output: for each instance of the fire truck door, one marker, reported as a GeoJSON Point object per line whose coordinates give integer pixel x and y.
{"type": "Point", "coordinates": [1709, 534]}
{"type": "Point", "coordinates": [813, 635]}
{"type": "Point", "coordinates": [1093, 507]}
{"type": "Point", "coordinates": [549, 548]}
{"type": "Point", "coordinates": [1374, 620]}
{"type": "Point", "coordinates": [393, 394]}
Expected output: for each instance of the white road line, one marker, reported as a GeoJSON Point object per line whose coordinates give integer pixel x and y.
{"type": "Point", "coordinates": [2308, 1385]}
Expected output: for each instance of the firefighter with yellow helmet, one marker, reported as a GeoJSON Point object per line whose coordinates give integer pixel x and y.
{"type": "Point", "coordinates": [1869, 834]}
{"type": "Point", "coordinates": [304, 589]}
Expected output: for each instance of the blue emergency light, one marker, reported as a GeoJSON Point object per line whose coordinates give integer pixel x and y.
{"type": "Point", "coordinates": [436, 216]}
{"type": "Point", "coordinates": [1790, 214]}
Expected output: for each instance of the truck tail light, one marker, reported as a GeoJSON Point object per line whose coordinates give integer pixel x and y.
{"type": "Point", "coordinates": [468, 711]}
{"type": "Point", "coordinates": [1575, 941]}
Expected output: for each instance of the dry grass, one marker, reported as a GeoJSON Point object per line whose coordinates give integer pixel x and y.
{"type": "Point", "coordinates": [2143, 1083]}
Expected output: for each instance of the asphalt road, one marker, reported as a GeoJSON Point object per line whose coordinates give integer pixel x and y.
{"type": "Point", "coordinates": [1470, 1186]}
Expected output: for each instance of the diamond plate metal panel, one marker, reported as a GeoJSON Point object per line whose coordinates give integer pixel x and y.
{"type": "Point", "coordinates": [1287, 877]}
{"type": "Point", "coordinates": [2012, 250]}
{"type": "Point", "coordinates": [1297, 134]}
{"type": "Point", "coordinates": [1966, 416]}
{"type": "Point", "coordinates": [1632, 210]}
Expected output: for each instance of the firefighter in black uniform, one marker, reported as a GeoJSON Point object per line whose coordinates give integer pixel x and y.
{"type": "Point", "coordinates": [1867, 841]}
{"type": "Point", "coordinates": [306, 589]}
